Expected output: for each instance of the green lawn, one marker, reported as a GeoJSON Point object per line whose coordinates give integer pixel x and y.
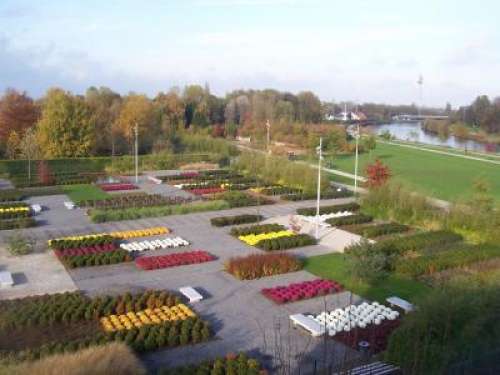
{"type": "Point", "coordinates": [78, 193]}
{"type": "Point", "coordinates": [442, 176]}
{"type": "Point", "coordinates": [333, 266]}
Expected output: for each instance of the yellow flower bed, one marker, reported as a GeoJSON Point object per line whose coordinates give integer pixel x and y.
{"type": "Point", "coordinates": [253, 239]}
{"type": "Point", "coordinates": [138, 319]}
{"type": "Point", "coordinates": [154, 231]}
{"type": "Point", "coordinates": [14, 209]}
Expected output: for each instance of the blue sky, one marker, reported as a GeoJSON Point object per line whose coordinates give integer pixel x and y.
{"type": "Point", "coordinates": [361, 50]}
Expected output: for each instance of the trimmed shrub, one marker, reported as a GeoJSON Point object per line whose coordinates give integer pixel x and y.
{"type": "Point", "coordinates": [350, 220]}
{"type": "Point", "coordinates": [261, 265]}
{"type": "Point", "coordinates": [284, 243]}
{"type": "Point", "coordinates": [223, 221]}
{"type": "Point", "coordinates": [24, 222]}
{"type": "Point", "coordinates": [383, 229]}
{"type": "Point", "coordinates": [311, 211]}
{"type": "Point", "coordinates": [257, 229]}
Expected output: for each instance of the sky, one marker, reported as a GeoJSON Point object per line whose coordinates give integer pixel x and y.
{"type": "Point", "coordinates": [358, 50]}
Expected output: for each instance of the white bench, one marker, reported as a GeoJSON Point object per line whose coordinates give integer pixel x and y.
{"type": "Point", "coordinates": [6, 280]}
{"type": "Point", "coordinates": [310, 325]}
{"type": "Point", "coordinates": [191, 294]}
{"type": "Point", "coordinates": [36, 208]}
{"type": "Point", "coordinates": [401, 303]}
{"type": "Point", "coordinates": [69, 205]}
{"type": "Point", "coordinates": [154, 179]}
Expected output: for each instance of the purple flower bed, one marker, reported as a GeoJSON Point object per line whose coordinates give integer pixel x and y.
{"type": "Point", "coordinates": [303, 290]}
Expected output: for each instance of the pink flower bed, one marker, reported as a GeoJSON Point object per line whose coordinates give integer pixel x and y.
{"type": "Point", "coordinates": [190, 174]}
{"type": "Point", "coordinates": [86, 250]}
{"type": "Point", "coordinates": [116, 187]}
{"type": "Point", "coordinates": [303, 290]}
{"type": "Point", "coordinates": [173, 260]}
{"type": "Point", "coordinates": [203, 191]}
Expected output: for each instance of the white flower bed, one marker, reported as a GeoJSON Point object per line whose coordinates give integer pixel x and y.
{"type": "Point", "coordinates": [354, 316]}
{"type": "Point", "coordinates": [323, 218]}
{"type": "Point", "coordinates": [154, 244]}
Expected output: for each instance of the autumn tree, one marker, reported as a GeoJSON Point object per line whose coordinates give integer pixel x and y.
{"type": "Point", "coordinates": [29, 148]}
{"type": "Point", "coordinates": [18, 112]}
{"type": "Point", "coordinates": [66, 128]}
{"type": "Point", "coordinates": [12, 146]}
{"type": "Point", "coordinates": [169, 118]}
{"type": "Point", "coordinates": [377, 174]}
{"type": "Point", "coordinates": [136, 110]}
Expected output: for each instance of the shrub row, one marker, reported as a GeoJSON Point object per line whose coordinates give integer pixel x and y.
{"type": "Point", "coordinates": [241, 199]}
{"type": "Point", "coordinates": [311, 211]}
{"type": "Point", "coordinates": [284, 243]}
{"type": "Point", "coordinates": [60, 244]}
{"type": "Point", "coordinates": [350, 220]}
{"type": "Point", "coordinates": [223, 221]}
{"type": "Point", "coordinates": [133, 200]}
{"type": "Point", "coordinates": [257, 229]}
{"type": "Point", "coordinates": [384, 229]}
{"type": "Point", "coordinates": [261, 265]}
{"type": "Point", "coordinates": [280, 190]}
{"type": "Point", "coordinates": [431, 263]}
{"type": "Point", "coordinates": [101, 216]}
{"type": "Point", "coordinates": [100, 259]}
{"type": "Point", "coordinates": [75, 306]}
{"type": "Point", "coordinates": [333, 194]}
{"type": "Point", "coordinates": [25, 222]}
{"type": "Point", "coordinates": [42, 191]}
{"type": "Point", "coordinates": [11, 195]}
{"type": "Point", "coordinates": [231, 365]}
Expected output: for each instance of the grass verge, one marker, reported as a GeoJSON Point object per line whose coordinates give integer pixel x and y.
{"type": "Point", "coordinates": [78, 193]}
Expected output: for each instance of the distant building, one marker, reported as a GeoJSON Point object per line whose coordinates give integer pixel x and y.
{"type": "Point", "coordinates": [346, 116]}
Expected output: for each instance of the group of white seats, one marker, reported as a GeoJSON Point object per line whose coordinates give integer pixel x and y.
{"type": "Point", "coordinates": [154, 244]}
{"type": "Point", "coordinates": [323, 218]}
{"type": "Point", "coordinates": [343, 320]}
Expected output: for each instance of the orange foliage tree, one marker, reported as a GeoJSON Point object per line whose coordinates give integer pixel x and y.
{"type": "Point", "coordinates": [377, 174]}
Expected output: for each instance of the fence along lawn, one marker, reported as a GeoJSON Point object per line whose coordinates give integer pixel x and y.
{"type": "Point", "coordinates": [442, 176]}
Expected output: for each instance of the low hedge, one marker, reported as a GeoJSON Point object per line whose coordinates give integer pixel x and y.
{"type": "Point", "coordinates": [311, 211]}
{"type": "Point", "coordinates": [101, 216]}
{"type": "Point", "coordinates": [383, 229]}
{"type": "Point", "coordinates": [257, 229]}
{"type": "Point", "coordinates": [418, 242]}
{"type": "Point", "coordinates": [11, 195]}
{"type": "Point", "coordinates": [334, 194]}
{"type": "Point", "coordinates": [60, 244]}
{"type": "Point", "coordinates": [24, 222]}
{"type": "Point", "coordinates": [284, 243]}
{"type": "Point", "coordinates": [232, 364]}
{"type": "Point", "coordinates": [223, 221]}
{"type": "Point", "coordinates": [280, 190]}
{"type": "Point", "coordinates": [350, 220]}
{"type": "Point", "coordinates": [431, 263]}
{"type": "Point", "coordinates": [261, 265]}
{"type": "Point", "coordinates": [101, 259]}
{"type": "Point", "coordinates": [42, 191]}
{"type": "Point", "coordinates": [241, 199]}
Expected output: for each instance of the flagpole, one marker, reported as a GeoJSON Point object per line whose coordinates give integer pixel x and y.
{"type": "Point", "coordinates": [320, 153]}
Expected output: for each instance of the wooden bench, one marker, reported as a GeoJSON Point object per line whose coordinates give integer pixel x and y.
{"type": "Point", "coordinates": [310, 325]}
{"type": "Point", "coordinates": [191, 294]}
{"type": "Point", "coordinates": [401, 303]}
{"type": "Point", "coordinates": [6, 280]}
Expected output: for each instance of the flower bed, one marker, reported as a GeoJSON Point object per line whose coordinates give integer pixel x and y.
{"type": "Point", "coordinates": [223, 221]}
{"type": "Point", "coordinates": [148, 316]}
{"type": "Point", "coordinates": [350, 220]}
{"type": "Point", "coordinates": [11, 195]}
{"type": "Point", "coordinates": [304, 290]}
{"type": "Point", "coordinates": [96, 259]}
{"type": "Point", "coordinates": [133, 200]}
{"type": "Point", "coordinates": [203, 191]}
{"type": "Point", "coordinates": [261, 265]}
{"type": "Point", "coordinates": [383, 229]}
{"type": "Point", "coordinates": [24, 222]}
{"type": "Point", "coordinates": [154, 244]}
{"type": "Point", "coordinates": [286, 242]}
{"type": "Point", "coordinates": [254, 239]}
{"type": "Point", "coordinates": [48, 324]}
{"type": "Point", "coordinates": [173, 260]}
{"type": "Point", "coordinates": [15, 210]}
{"type": "Point", "coordinates": [86, 250]}
{"type": "Point", "coordinates": [118, 187]}
{"type": "Point", "coordinates": [256, 229]}
{"type": "Point", "coordinates": [232, 364]}
{"type": "Point", "coordinates": [311, 211]}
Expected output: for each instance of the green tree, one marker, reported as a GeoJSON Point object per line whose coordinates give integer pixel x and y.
{"type": "Point", "coordinates": [66, 128]}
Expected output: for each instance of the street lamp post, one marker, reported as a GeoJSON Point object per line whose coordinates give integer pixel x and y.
{"type": "Point", "coordinates": [268, 127]}
{"type": "Point", "coordinates": [320, 157]}
{"type": "Point", "coordinates": [136, 153]}
{"type": "Point", "coordinates": [357, 135]}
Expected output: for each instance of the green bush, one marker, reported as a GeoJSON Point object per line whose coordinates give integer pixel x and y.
{"type": "Point", "coordinates": [461, 257]}
{"type": "Point", "coordinates": [241, 199]}
{"type": "Point", "coordinates": [89, 260]}
{"type": "Point", "coordinates": [327, 194]}
{"type": "Point", "coordinates": [384, 229]}
{"type": "Point", "coordinates": [20, 244]}
{"type": "Point", "coordinates": [223, 221]}
{"type": "Point", "coordinates": [284, 243]}
{"type": "Point", "coordinates": [11, 195]}
{"type": "Point", "coordinates": [311, 211]}
{"type": "Point", "coordinates": [42, 191]}
{"type": "Point", "coordinates": [24, 222]}
{"type": "Point", "coordinates": [257, 229]}
{"type": "Point", "coordinates": [350, 220]}
{"type": "Point", "coordinates": [367, 264]}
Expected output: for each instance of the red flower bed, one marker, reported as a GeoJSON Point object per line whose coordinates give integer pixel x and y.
{"type": "Point", "coordinates": [376, 335]}
{"type": "Point", "coordinates": [86, 250]}
{"type": "Point", "coordinates": [173, 260]}
{"type": "Point", "coordinates": [303, 290]}
{"type": "Point", "coordinates": [190, 174]}
{"type": "Point", "coordinates": [116, 187]}
{"type": "Point", "coordinates": [203, 191]}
